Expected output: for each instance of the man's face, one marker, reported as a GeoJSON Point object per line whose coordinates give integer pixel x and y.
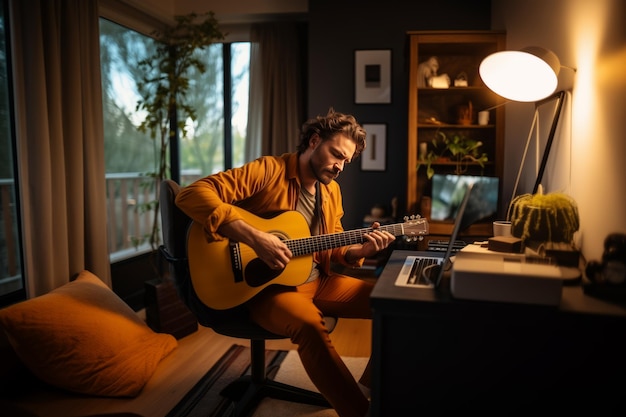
{"type": "Point", "coordinates": [329, 157]}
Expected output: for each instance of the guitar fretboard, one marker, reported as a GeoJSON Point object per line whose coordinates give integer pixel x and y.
{"type": "Point", "coordinates": [306, 245]}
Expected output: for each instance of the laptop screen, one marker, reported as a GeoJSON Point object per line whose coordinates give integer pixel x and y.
{"type": "Point", "coordinates": [468, 193]}
{"type": "Point", "coordinates": [448, 191]}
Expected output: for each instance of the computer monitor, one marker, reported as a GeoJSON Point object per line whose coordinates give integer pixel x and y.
{"type": "Point", "coordinates": [448, 191]}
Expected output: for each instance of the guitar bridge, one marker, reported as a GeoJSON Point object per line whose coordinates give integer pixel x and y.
{"type": "Point", "coordinates": [235, 261]}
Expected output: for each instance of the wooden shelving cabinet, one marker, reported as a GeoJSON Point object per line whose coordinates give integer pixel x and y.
{"type": "Point", "coordinates": [432, 110]}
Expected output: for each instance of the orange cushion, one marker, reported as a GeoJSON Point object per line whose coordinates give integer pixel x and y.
{"type": "Point", "coordinates": [83, 338]}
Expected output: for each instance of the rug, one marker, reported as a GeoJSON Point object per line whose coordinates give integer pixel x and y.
{"type": "Point", "coordinates": [204, 399]}
{"type": "Point", "coordinates": [292, 372]}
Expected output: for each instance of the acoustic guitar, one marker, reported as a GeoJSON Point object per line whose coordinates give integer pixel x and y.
{"type": "Point", "coordinates": [225, 273]}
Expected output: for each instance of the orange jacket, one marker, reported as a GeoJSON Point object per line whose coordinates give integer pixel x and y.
{"type": "Point", "coordinates": [265, 187]}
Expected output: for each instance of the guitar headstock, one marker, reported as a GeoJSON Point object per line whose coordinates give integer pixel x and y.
{"type": "Point", "coordinates": [415, 227]}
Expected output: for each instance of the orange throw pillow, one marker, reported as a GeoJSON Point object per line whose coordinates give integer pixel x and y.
{"type": "Point", "coordinates": [83, 338]}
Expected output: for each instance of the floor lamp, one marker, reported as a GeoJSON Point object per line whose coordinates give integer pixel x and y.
{"type": "Point", "coordinates": [527, 75]}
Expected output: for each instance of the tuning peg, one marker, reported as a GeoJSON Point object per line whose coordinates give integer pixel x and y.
{"type": "Point", "coordinates": [412, 217]}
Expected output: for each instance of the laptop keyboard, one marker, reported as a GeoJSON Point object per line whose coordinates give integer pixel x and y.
{"type": "Point", "coordinates": [416, 276]}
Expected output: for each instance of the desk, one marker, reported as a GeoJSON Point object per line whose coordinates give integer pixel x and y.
{"type": "Point", "coordinates": [433, 354]}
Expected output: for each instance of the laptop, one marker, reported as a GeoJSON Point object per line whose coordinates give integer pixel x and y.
{"type": "Point", "coordinates": [425, 269]}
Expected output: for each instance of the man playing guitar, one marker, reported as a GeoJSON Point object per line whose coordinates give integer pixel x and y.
{"type": "Point", "coordinates": [303, 181]}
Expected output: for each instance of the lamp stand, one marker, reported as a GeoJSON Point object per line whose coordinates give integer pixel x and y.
{"type": "Point", "coordinates": [559, 96]}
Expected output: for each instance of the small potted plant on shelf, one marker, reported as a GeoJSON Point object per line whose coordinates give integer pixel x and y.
{"type": "Point", "coordinates": [456, 148]}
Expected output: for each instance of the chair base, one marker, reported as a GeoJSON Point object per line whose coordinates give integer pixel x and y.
{"type": "Point", "coordinates": [247, 394]}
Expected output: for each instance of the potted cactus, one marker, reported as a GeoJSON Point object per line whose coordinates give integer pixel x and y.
{"type": "Point", "coordinates": [546, 223]}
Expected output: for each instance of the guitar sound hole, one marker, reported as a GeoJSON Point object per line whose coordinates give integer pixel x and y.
{"type": "Point", "coordinates": [258, 273]}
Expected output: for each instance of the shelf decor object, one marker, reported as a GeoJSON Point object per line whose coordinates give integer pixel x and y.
{"type": "Point", "coordinates": [372, 76]}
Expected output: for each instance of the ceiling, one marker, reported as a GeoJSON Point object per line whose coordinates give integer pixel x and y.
{"type": "Point", "coordinates": [227, 12]}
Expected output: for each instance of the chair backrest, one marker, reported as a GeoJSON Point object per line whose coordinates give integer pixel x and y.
{"type": "Point", "coordinates": [175, 224]}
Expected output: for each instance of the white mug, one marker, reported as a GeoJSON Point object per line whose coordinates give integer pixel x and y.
{"type": "Point", "coordinates": [502, 228]}
{"type": "Point", "coordinates": [483, 117]}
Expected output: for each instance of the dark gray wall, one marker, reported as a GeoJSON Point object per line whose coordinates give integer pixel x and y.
{"type": "Point", "coordinates": [336, 30]}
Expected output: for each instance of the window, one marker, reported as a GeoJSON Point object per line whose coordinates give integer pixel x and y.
{"type": "Point", "coordinates": [208, 147]}
{"type": "Point", "coordinates": [11, 277]}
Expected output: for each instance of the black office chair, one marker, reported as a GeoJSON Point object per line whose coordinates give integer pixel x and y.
{"type": "Point", "coordinates": [248, 390]}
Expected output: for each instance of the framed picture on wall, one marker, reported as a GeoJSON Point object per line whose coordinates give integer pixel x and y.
{"type": "Point", "coordinates": [373, 158]}
{"type": "Point", "coordinates": [372, 76]}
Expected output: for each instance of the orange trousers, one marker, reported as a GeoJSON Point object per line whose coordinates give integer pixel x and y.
{"type": "Point", "coordinates": [297, 313]}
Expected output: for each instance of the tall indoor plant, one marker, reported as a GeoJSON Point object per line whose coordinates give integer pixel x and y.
{"type": "Point", "coordinates": [163, 89]}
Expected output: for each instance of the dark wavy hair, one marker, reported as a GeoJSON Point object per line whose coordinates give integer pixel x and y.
{"type": "Point", "coordinates": [330, 125]}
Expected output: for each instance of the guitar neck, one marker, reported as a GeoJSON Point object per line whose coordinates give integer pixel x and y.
{"type": "Point", "coordinates": [307, 245]}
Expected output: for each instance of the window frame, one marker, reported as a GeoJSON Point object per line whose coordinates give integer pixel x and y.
{"type": "Point", "coordinates": [20, 293]}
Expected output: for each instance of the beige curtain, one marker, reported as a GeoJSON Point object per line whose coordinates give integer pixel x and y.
{"type": "Point", "coordinates": [56, 64]}
{"type": "Point", "coordinates": [276, 88]}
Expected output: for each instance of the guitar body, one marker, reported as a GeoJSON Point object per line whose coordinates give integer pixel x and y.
{"type": "Point", "coordinates": [222, 282]}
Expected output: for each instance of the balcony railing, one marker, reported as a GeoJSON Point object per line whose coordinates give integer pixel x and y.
{"type": "Point", "coordinates": [129, 217]}
{"type": "Point", "coordinates": [130, 212]}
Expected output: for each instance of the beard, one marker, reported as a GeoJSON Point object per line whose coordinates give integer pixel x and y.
{"type": "Point", "coordinates": [324, 176]}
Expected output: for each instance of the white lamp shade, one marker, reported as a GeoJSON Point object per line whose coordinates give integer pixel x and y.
{"type": "Point", "coordinates": [528, 75]}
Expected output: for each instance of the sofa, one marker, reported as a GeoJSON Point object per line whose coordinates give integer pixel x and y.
{"type": "Point", "coordinates": [81, 351]}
